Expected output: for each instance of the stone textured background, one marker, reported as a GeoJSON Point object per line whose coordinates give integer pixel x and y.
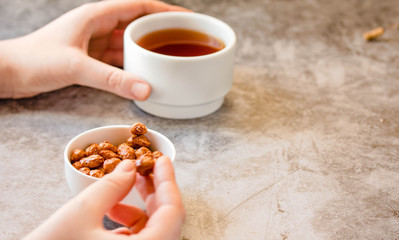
{"type": "Point", "coordinates": [306, 145]}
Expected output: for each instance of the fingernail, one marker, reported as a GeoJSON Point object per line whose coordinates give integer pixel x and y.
{"type": "Point", "coordinates": [126, 166]}
{"type": "Point", "coordinates": [140, 90]}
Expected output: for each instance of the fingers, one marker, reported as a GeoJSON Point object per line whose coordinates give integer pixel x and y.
{"type": "Point", "coordinates": [103, 195]}
{"type": "Point", "coordinates": [108, 78]}
{"type": "Point", "coordinates": [113, 57]}
{"type": "Point", "coordinates": [167, 191]}
{"type": "Point", "coordinates": [101, 22]}
{"type": "Point", "coordinates": [166, 222]}
{"type": "Point", "coordinates": [164, 205]}
{"type": "Point", "coordinates": [108, 49]}
{"type": "Point", "coordinates": [129, 216]}
{"type": "Point", "coordinates": [122, 230]}
{"type": "Point", "coordinates": [106, 15]}
{"type": "Point", "coordinates": [145, 187]}
{"type": "Point", "coordinates": [113, 41]}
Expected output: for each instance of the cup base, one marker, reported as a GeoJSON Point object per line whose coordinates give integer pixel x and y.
{"type": "Point", "coordinates": [180, 112]}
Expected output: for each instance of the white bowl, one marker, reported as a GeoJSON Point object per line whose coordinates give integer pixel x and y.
{"type": "Point", "coordinates": [115, 134]}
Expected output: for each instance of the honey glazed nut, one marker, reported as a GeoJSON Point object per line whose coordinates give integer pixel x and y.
{"type": "Point", "coordinates": [107, 146]}
{"type": "Point", "coordinates": [92, 149]}
{"type": "Point", "coordinates": [137, 141]}
{"type": "Point", "coordinates": [84, 170]}
{"type": "Point", "coordinates": [92, 161]}
{"type": "Point", "coordinates": [110, 164]}
{"type": "Point", "coordinates": [142, 151]}
{"type": "Point", "coordinates": [77, 154]}
{"type": "Point", "coordinates": [96, 173]}
{"type": "Point", "coordinates": [138, 129]}
{"type": "Point", "coordinates": [157, 154]}
{"type": "Point", "coordinates": [96, 160]}
{"type": "Point", "coordinates": [145, 164]}
{"type": "Point", "coordinates": [126, 152]}
{"type": "Point", "coordinates": [107, 154]}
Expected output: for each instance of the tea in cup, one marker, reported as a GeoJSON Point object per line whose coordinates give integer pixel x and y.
{"type": "Point", "coordinates": [188, 58]}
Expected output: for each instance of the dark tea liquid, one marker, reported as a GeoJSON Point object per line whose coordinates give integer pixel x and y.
{"type": "Point", "coordinates": [180, 42]}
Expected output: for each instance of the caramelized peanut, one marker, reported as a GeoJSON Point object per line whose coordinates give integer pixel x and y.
{"type": "Point", "coordinates": [126, 152]}
{"type": "Point", "coordinates": [107, 154]}
{"type": "Point", "coordinates": [138, 141]}
{"type": "Point", "coordinates": [84, 170]}
{"type": "Point", "coordinates": [77, 154]}
{"type": "Point", "coordinates": [108, 146]}
{"type": "Point", "coordinates": [142, 151]}
{"type": "Point", "coordinates": [138, 129]}
{"type": "Point", "coordinates": [92, 161]}
{"type": "Point", "coordinates": [110, 164]}
{"type": "Point", "coordinates": [96, 173]}
{"type": "Point", "coordinates": [145, 165]}
{"type": "Point", "coordinates": [77, 165]}
{"type": "Point", "coordinates": [157, 154]}
{"type": "Point", "coordinates": [92, 149]}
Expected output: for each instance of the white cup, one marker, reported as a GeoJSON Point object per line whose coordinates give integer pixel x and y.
{"type": "Point", "coordinates": [115, 134]}
{"type": "Point", "coordinates": [182, 87]}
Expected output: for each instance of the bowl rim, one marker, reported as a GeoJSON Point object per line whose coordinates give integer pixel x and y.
{"type": "Point", "coordinates": [70, 142]}
{"type": "Point", "coordinates": [191, 16]}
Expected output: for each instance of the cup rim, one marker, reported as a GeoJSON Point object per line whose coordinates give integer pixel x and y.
{"type": "Point", "coordinates": [68, 146]}
{"type": "Point", "coordinates": [227, 48]}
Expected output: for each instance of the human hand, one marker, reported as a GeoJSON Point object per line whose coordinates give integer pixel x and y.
{"type": "Point", "coordinates": [77, 48]}
{"type": "Point", "coordinates": [81, 217]}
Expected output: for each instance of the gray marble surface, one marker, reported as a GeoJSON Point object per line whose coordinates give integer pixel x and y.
{"type": "Point", "coordinates": [306, 145]}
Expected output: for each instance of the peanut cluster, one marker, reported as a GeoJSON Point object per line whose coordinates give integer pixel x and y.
{"type": "Point", "coordinates": [100, 159]}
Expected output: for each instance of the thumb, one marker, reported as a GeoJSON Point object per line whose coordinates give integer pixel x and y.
{"type": "Point", "coordinates": [100, 75]}
{"type": "Point", "coordinates": [100, 197]}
